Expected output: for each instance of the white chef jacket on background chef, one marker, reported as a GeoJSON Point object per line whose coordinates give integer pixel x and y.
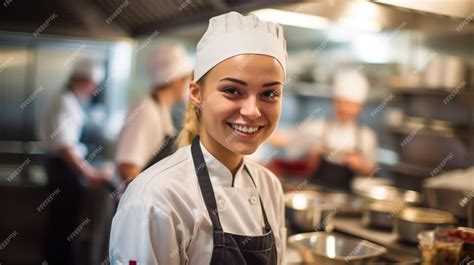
{"type": "Point", "coordinates": [62, 124]}
{"type": "Point", "coordinates": [160, 220]}
{"type": "Point", "coordinates": [340, 138]}
{"type": "Point", "coordinates": [143, 133]}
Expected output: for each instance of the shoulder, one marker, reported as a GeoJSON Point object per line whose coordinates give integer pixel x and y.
{"type": "Point", "coordinates": [165, 183]}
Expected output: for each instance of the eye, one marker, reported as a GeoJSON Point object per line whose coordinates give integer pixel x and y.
{"type": "Point", "coordinates": [231, 91]}
{"type": "Point", "coordinates": [270, 95]}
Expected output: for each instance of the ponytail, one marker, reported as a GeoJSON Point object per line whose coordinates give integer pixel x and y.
{"type": "Point", "coordinates": [190, 126]}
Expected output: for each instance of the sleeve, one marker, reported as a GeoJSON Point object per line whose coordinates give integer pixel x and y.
{"type": "Point", "coordinates": [147, 235]}
{"type": "Point", "coordinates": [133, 145]}
{"type": "Point", "coordinates": [370, 147]}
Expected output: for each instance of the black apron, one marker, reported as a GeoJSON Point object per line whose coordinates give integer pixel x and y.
{"type": "Point", "coordinates": [230, 249]}
{"type": "Point", "coordinates": [332, 175]}
{"type": "Point", "coordinates": [166, 149]}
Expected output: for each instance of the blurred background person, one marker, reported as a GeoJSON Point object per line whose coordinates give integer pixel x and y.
{"type": "Point", "coordinates": [337, 148]}
{"type": "Point", "coordinates": [67, 169]}
{"type": "Point", "coordinates": [148, 133]}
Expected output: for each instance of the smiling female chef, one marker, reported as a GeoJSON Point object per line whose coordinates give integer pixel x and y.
{"type": "Point", "coordinates": [206, 203]}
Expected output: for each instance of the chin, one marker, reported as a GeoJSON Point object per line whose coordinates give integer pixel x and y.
{"type": "Point", "coordinates": [243, 149]}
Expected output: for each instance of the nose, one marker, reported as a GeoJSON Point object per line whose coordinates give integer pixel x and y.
{"type": "Point", "coordinates": [250, 108]}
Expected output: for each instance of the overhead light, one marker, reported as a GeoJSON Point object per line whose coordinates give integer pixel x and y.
{"type": "Point", "coordinates": [292, 18]}
{"type": "Point", "coordinates": [372, 48]}
{"type": "Point", "coordinates": [362, 16]}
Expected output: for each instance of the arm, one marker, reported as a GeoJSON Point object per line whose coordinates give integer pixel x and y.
{"type": "Point", "coordinates": [357, 163]}
{"type": "Point", "coordinates": [365, 162]}
{"type": "Point", "coordinates": [128, 171]}
{"type": "Point", "coordinates": [79, 164]}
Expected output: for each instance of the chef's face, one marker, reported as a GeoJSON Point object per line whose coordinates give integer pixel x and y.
{"type": "Point", "coordinates": [346, 111]}
{"type": "Point", "coordinates": [240, 102]}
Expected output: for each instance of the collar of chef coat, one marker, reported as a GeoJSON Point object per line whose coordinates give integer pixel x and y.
{"type": "Point", "coordinates": [220, 175]}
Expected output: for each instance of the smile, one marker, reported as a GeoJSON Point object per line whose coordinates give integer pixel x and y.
{"type": "Point", "coordinates": [244, 128]}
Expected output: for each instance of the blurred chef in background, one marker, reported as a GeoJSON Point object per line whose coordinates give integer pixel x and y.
{"type": "Point", "coordinates": [339, 146]}
{"type": "Point", "coordinates": [67, 169]}
{"type": "Point", "coordinates": [148, 133]}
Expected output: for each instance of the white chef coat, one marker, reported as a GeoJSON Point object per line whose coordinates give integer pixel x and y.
{"type": "Point", "coordinates": [144, 132]}
{"type": "Point", "coordinates": [162, 217]}
{"type": "Point", "coordinates": [62, 123]}
{"type": "Point", "coordinates": [338, 139]}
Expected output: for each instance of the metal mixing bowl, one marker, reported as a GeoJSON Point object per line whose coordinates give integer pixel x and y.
{"type": "Point", "coordinates": [333, 249]}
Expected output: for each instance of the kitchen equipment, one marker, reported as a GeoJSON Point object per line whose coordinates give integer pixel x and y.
{"type": "Point", "coordinates": [313, 211]}
{"type": "Point", "coordinates": [391, 194]}
{"type": "Point", "coordinates": [447, 199]}
{"type": "Point", "coordinates": [333, 249]}
{"type": "Point", "coordinates": [445, 72]}
{"type": "Point", "coordinates": [452, 191]}
{"type": "Point", "coordinates": [380, 214]}
{"type": "Point", "coordinates": [410, 221]}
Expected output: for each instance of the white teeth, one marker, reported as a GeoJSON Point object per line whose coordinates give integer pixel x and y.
{"type": "Point", "coordinates": [244, 128]}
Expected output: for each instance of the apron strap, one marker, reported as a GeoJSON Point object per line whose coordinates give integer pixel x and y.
{"type": "Point", "coordinates": [208, 192]}
{"type": "Point", "coordinates": [267, 227]}
{"type": "Point", "coordinates": [205, 184]}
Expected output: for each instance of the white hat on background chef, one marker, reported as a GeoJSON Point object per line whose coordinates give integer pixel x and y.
{"type": "Point", "coordinates": [232, 34]}
{"type": "Point", "coordinates": [168, 63]}
{"type": "Point", "coordinates": [350, 85]}
{"type": "Point", "coordinates": [88, 68]}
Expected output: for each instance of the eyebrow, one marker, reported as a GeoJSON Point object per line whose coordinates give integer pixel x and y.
{"type": "Point", "coordinates": [245, 83]}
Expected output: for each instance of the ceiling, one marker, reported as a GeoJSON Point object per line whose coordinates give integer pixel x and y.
{"type": "Point", "coordinates": [109, 19]}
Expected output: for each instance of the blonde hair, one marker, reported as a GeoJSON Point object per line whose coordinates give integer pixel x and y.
{"type": "Point", "coordinates": [190, 123]}
{"type": "Point", "coordinates": [190, 126]}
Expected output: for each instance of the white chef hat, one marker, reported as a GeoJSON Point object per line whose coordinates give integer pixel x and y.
{"type": "Point", "coordinates": [232, 34]}
{"type": "Point", "coordinates": [88, 68]}
{"type": "Point", "coordinates": [168, 63]}
{"type": "Point", "coordinates": [350, 85]}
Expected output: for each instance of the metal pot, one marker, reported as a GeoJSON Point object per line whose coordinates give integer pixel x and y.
{"type": "Point", "coordinates": [312, 211]}
{"type": "Point", "coordinates": [454, 201]}
{"type": "Point", "coordinates": [379, 214]}
{"type": "Point", "coordinates": [410, 221]}
{"type": "Point", "coordinates": [391, 194]}
{"type": "Point", "coordinates": [333, 249]}
{"type": "Point", "coordinates": [306, 211]}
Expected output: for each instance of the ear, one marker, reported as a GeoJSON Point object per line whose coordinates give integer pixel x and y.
{"type": "Point", "coordinates": [195, 94]}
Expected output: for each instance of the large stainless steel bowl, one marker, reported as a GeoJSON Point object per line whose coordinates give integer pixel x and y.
{"type": "Point", "coordinates": [332, 249]}
{"type": "Point", "coordinates": [313, 211]}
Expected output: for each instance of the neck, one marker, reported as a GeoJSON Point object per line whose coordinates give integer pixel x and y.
{"type": "Point", "coordinates": [231, 160]}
